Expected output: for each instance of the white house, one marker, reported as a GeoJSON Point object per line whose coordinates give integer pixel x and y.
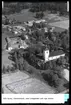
{"type": "Point", "coordinates": [15, 43]}
{"type": "Point", "coordinates": [30, 23]}
{"type": "Point", "coordinates": [52, 29]}
{"type": "Point", "coordinates": [26, 37]}
{"type": "Point", "coordinates": [38, 21]}
{"type": "Point", "coordinates": [66, 74]}
{"type": "Point", "coordinates": [46, 29]}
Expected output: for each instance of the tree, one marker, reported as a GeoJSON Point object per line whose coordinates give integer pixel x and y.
{"type": "Point", "coordinates": [61, 61]}
{"type": "Point", "coordinates": [38, 7]}
{"type": "Point", "coordinates": [13, 57]}
{"type": "Point", "coordinates": [2, 90]}
{"type": "Point", "coordinates": [21, 66]}
{"type": "Point", "coordinates": [51, 78]}
{"type": "Point", "coordinates": [8, 69]}
{"type": "Point", "coordinates": [59, 71]}
{"type": "Point", "coordinates": [39, 15]}
{"type": "Point", "coordinates": [65, 43]}
{"type": "Point", "coordinates": [50, 65]}
{"type": "Point", "coordinates": [3, 69]}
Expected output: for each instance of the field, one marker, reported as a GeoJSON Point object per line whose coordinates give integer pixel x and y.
{"type": "Point", "coordinates": [25, 15]}
{"type": "Point", "coordinates": [20, 82]}
{"type": "Point", "coordinates": [61, 24]}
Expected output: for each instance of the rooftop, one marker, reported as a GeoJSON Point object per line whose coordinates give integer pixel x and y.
{"type": "Point", "coordinates": [55, 53]}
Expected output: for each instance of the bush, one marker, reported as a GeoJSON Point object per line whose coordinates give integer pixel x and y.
{"type": "Point", "coordinates": [52, 78]}
{"type": "Point", "coordinates": [11, 8]}
{"type": "Point", "coordinates": [2, 91]}
{"type": "Point", "coordinates": [8, 69]}
{"type": "Point", "coordinates": [3, 69]}
{"type": "Point", "coordinates": [39, 15]}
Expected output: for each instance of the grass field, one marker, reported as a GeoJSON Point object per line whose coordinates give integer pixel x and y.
{"type": "Point", "coordinates": [21, 82]}
{"type": "Point", "coordinates": [61, 24]}
{"type": "Point", "coordinates": [25, 15]}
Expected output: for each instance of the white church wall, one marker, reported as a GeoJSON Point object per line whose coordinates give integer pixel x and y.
{"type": "Point", "coordinates": [46, 55]}
{"type": "Point", "coordinates": [47, 58]}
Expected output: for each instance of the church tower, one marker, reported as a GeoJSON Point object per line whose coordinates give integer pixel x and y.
{"type": "Point", "coordinates": [46, 55]}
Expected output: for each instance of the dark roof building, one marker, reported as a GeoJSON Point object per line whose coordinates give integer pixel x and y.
{"type": "Point", "coordinates": [56, 53]}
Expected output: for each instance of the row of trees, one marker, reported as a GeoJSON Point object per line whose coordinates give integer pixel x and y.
{"type": "Point", "coordinates": [53, 7]}
{"type": "Point", "coordinates": [39, 15]}
{"type": "Point", "coordinates": [14, 7]}
{"type": "Point", "coordinates": [54, 40]}
{"type": "Point", "coordinates": [37, 7]}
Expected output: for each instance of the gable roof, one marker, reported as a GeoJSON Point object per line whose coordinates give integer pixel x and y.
{"type": "Point", "coordinates": [56, 53]}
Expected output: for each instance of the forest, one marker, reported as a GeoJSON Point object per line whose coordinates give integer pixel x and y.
{"type": "Point", "coordinates": [54, 7]}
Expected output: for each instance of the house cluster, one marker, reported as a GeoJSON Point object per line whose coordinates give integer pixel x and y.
{"type": "Point", "coordinates": [18, 30]}
{"type": "Point", "coordinates": [30, 23]}
{"type": "Point", "coordinates": [13, 43]}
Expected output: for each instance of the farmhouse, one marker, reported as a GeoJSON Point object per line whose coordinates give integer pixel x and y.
{"type": "Point", "coordinates": [52, 29]}
{"type": "Point", "coordinates": [38, 21]}
{"type": "Point", "coordinates": [46, 29]}
{"type": "Point", "coordinates": [19, 28]}
{"type": "Point", "coordinates": [15, 43]}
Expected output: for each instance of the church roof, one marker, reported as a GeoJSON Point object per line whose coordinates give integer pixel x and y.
{"type": "Point", "coordinates": [56, 53]}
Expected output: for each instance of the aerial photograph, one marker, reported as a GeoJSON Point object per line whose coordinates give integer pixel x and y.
{"type": "Point", "coordinates": [35, 48]}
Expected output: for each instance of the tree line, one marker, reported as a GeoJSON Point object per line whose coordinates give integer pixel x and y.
{"type": "Point", "coordinates": [38, 8]}
{"type": "Point", "coordinates": [51, 6]}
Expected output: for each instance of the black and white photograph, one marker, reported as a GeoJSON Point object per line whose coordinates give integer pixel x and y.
{"type": "Point", "coordinates": [35, 48]}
